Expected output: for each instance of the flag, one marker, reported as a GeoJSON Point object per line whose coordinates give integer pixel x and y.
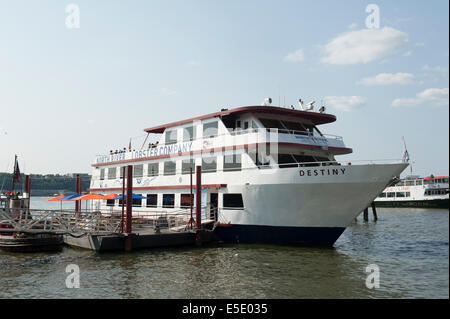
{"type": "Point", "coordinates": [16, 174]}
{"type": "Point", "coordinates": [406, 156]}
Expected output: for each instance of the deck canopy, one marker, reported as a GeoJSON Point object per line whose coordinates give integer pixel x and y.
{"type": "Point", "coordinates": [314, 117]}
{"type": "Point", "coordinates": [89, 196]}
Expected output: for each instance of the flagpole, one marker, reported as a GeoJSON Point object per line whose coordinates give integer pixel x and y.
{"type": "Point", "coordinates": [14, 173]}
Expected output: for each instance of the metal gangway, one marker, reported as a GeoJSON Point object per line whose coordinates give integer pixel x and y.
{"type": "Point", "coordinates": [70, 222]}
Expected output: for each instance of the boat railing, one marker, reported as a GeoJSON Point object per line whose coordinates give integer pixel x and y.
{"type": "Point", "coordinates": [98, 222]}
{"type": "Point", "coordinates": [235, 132]}
{"type": "Point", "coordinates": [182, 171]}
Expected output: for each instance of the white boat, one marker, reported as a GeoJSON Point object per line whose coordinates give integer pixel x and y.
{"type": "Point", "coordinates": [414, 191]}
{"type": "Point", "coordinates": [268, 174]}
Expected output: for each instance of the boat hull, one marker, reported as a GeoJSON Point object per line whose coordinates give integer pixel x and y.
{"type": "Point", "coordinates": [32, 243]}
{"type": "Point", "coordinates": [435, 203]}
{"type": "Point", "coordinates": [307, 211]}
{"type": "Point", "coordinates": [304, 236]}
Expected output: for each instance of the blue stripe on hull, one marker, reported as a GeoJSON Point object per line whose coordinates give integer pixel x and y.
{"type": "Point", "coordinates": [324, 236]}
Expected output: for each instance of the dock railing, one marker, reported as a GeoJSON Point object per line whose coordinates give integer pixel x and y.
{"type": "Point", "coordinates": [96, 222]}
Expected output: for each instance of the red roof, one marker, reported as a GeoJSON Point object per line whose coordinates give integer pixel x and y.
{"type": "Point", "coordinates": [435, 177]}
{"type": "Point", "coordinates": [314, 117]}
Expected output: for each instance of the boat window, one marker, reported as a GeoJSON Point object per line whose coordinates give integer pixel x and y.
{"type": "Point", "coordinates": [137, 202]}
{"type": "Point", "coordinates": [382, 195]}
{"type": "Point", "coordinates": [310, 160]}
{"type": "Point", "coordinates": [258, 154]}
{"type": "Point", "coordinates": [400, 184]}
{"type": "Point", "coordinates": [185, 200]}
{"type": "Point", "coordinates": [102, 174]}
{"type": "Point", "coordinates": [153, 169]}
{"type": "Point", "coordinates": [295, 126]}
{"type": "Point", "coordinates": [209, 164]}
{"type": "Point", "coordinates": [409, 183]}
{"type": "Point", "coordinates": [186, 166]}
{"type": "Point", "coordinates": [210, 129]}
{"type": "Point", "coordinates": [238, 124]}
{"type": "Point", "coordinates": [152, 200]}
{"type": "Point", "coordinates": [112, 173]}
{"type": "Point", "coordinates": [169, 168]}
{"type": "Point", "coordinates": [168, 200]}
{"type": "Point", "coordinates": [391, 194]}
{"type": "Point", "coordinates": [407, 194]}
{"type": "Point", "coordinates": [400, 194]}
{"type": "Point", "coordinates": [245, 125]}
{"type": "Point", "coordinates": [445, 180]}
{"type": "Point", "coordinates": [428, 181]}
{"type": "Point", "coordinates": [419, 182]}
{"type": "Point", "coordinates": [285, 160]}
{"type": "Point", "coordinates": [110, 202]}
{"type": "Point", "coordinates": [121, 171]}
{"type": "Point", "coordinates": [270, 123]}
{"type": "Point", "coordinates": [138, 170]}
{"type": "Point", "coordinates": [188, 133]}
{"type": "Point", "coordinates": [321, 159]}
{"type": "Point", "coordinates": [233, 201]}
{"type": "Point", "coordinates": [232, 162]}
{"type": "Point", "coordinates": [254, 125]}
{"type": "Point", "coordinates": [171, 136]}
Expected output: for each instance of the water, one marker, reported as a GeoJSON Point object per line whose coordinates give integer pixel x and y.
{"type": "Point", "coordinates": [410, 247]}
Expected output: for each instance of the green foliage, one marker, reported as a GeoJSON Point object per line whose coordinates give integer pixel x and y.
{"type": "Point", "coordinates": [45, 182]}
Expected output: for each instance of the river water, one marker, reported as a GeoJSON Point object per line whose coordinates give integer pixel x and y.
{"type": "Point", "coordinates": [409, 246]}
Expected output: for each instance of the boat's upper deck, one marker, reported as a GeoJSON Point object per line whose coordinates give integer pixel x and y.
{"type": "Point", "coordinates": [271, 111]}
{"type": "Point", "coordinates": [291, 131]}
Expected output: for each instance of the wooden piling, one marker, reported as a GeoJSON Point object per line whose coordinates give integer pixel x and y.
{"type": "Point", "coordinates": [129, 198]}
{"type": "Point", "coordinates": [366, 214]}
{"type": "Point", "coordinates": [374, 211]}
{"type": "Point", "coordinates": [198, 199]}
{"type": "Point", "coordinates": [77, 191]}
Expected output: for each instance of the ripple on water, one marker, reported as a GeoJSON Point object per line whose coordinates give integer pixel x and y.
{"type": "Point", "coordinates": [409, 246]}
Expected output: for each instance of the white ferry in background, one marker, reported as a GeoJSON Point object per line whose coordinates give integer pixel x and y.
{"type": "Point", "coordinates": [269, 175]}
{"type": "Point", "coordinates": [413, 191]}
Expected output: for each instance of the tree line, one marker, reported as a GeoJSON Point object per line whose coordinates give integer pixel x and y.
{"type": "Point", "coordinates": [42, 185]}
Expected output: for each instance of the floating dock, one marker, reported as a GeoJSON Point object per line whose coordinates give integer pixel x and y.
{"type": "Point", "coordinates": [23, 228]}
{"type": "Point", "coordinates": [139, 240]}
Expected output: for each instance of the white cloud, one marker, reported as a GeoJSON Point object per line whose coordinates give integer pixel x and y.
{"type": "Point", "coordinates": [193, 63]}
{"type": "Point", "coordinates": [435, 73]}
{"type": "Point", "coordinates": [388, 78]}
{"type": "Point", "coordinates": [419, 44]}
{"type": "Point", "coordinates": [344, 103]}
{"type": "Point", "coordinates": [296, 56]}
{"type": "Point", "coordinates": [168, 92]}
{"type": "Point", "coordinates": [408, 53]}
{"type": "Point", "coordinates": [363, 46]}
{"type": "Point", "coordinates": [433, 96]}
{"type": "Point", "coordinates": [437, 69]}
{"type": "Point", "coordinates": [353, 26]}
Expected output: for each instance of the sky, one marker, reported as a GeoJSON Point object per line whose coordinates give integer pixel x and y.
{"type": "Point", "coordinates": [71, 89]}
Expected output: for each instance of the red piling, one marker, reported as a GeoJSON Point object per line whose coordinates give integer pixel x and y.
{"type": "Point", "coordinates": [27, 190]}
{"type": "Point", "coordinates": [129, 198]}
{"type": "Point", "coordinates": [198, 195]}
{"type": "Point", "coordinates": [123, 198]}
{"type": "Point", "coordinates": [78, 191]}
